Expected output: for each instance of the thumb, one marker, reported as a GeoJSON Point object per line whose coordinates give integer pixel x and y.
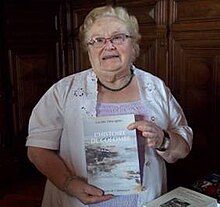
{"type": "Point", "coordinates": [132, 126]}
{"type": "Point", "coordinates": [92, 190]}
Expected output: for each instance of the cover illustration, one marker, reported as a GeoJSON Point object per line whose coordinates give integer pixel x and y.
{"type": "Point", "coordinates": [112, 154]}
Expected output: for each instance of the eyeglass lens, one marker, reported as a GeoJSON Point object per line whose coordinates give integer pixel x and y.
{"type": "Point", "coordinates": [117, 39]}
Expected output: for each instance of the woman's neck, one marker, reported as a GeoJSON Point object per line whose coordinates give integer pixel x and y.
{"type": "Point", "coordinates": [116, 87]}
{"type": "Point", "coordinates": [115, 81]}
{"type": "Point", "coordinates": [108, 76]}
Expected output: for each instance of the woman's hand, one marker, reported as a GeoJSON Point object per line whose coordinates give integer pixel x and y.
{"type": "Point", "coordinates": [152, 133]}
{"type": "Point", "coordinates": [86, 193]}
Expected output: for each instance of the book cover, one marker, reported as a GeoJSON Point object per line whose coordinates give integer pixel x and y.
{"type": "Point", "coordinates": [112, 154]}
{"type": "Point", "coordinates": [209, 185]}
{"type": "Point", "coordinates": [183, 197]}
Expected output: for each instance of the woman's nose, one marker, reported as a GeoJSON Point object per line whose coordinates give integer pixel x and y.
{"type": "Point", "coordinates": [109, 44]}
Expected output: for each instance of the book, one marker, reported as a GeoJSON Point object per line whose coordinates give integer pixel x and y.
{"type": "Point", "coordinates": [112, 154]}
{"type": "Point", "coordinates": [208, 185]}
{"type": "Point", "coordinates": [183, 197]}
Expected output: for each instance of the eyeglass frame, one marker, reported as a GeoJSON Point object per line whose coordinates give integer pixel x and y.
{"type": "Point", "coordinates": [111, 39]}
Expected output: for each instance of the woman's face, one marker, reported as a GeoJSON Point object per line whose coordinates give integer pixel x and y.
{"type": "Point", "coordinates": [110, 57]}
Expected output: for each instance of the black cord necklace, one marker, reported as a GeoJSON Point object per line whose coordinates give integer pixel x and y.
{"type": "Point", "coordinates": [118, 89]}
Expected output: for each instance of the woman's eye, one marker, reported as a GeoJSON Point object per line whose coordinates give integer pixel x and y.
{"type": "Point", "coordinates": [117, 37]}
{"type": "Point", "coordinates": [99, 39]}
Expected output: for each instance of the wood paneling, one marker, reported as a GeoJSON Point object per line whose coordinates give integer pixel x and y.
{"type": "Point", "coordinates": [33, 61]}
{"type": "Point", "coordinates": [32, 71]}
{"type": "Point", "coordinates": [195, 15]}
{"type": "Point", "coordinates": [2, 113]}
{"type": "Point", "coordinates": [196, 72]}
{"type": "Point", "coordinates": [197, 10]}
{"type": "Point", "coordinates": [194, 78]}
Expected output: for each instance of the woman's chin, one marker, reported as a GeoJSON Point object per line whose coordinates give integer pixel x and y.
{"type": "Point", "coordinates": [111, 67]}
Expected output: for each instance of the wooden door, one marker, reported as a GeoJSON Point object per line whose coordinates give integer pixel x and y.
{"type": "Point", "coordinates": [3, 114]}
{"type": "Point", "coordinates": [2, 105]}
{"type": "Point", "coordinates": [194, 56]}
{"type": "Point", "coordinates": [33, 61]}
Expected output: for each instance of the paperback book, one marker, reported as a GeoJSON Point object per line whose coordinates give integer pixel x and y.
{"type": "Point", "coordinates": [183, 197]}
{"type": "Point", "coordinates": [112, 154]}
{"type": "Point", "coordinates": [209, 185]}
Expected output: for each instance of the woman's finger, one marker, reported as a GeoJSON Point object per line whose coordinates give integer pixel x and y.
{"type": "Point", "coordinates": [96, 199]}
{"type": "Point", "coordinates": [140, 125]}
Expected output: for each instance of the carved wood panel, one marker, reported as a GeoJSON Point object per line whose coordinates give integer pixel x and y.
{"type": "Point", "coordinates": [32, 72]}
{"type": "Point", "coordinates": [34, 58]}
{"type": "Point", "coordinates": [194, 52]}
{"type": "Point", "coordinates": [195, 70]}
{"type": "Point", "coordinates": [2, 113]}
{"type": "Point", "coordinates": [144, 11]}
{"type": "Point", "coordinates": [194, 15]}
{"type": "Point", "coordinates": [196, 11]}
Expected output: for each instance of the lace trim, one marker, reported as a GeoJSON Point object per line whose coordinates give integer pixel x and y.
{"type": "Point", "coordinates": [136, 108]}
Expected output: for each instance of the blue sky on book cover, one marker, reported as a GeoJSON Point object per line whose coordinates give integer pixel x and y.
{"type": "Point", "coordinates": [112, 154]}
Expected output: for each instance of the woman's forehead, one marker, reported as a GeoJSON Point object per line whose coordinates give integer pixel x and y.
{"type": "Point", "coordinates": [107, 25]}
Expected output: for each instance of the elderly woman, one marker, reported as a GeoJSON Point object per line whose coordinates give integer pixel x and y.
{"type": "Point", "coordinates": [112, 86]}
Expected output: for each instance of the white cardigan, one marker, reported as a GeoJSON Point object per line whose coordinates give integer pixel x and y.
{"type": "Point", "coordinates": [55, 124]}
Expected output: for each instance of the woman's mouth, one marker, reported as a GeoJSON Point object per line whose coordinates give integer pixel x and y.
{"type": "Point", "coordinates": [110, 57]}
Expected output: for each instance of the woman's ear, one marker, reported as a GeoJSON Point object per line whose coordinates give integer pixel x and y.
{"type": "Point", "coordinates": [133, 57]}
{"type": "Point", "coordinates": [89, 55]}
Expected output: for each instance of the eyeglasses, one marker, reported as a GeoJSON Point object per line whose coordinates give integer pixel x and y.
{"type": "Point", "coordinates": [117, 39]}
